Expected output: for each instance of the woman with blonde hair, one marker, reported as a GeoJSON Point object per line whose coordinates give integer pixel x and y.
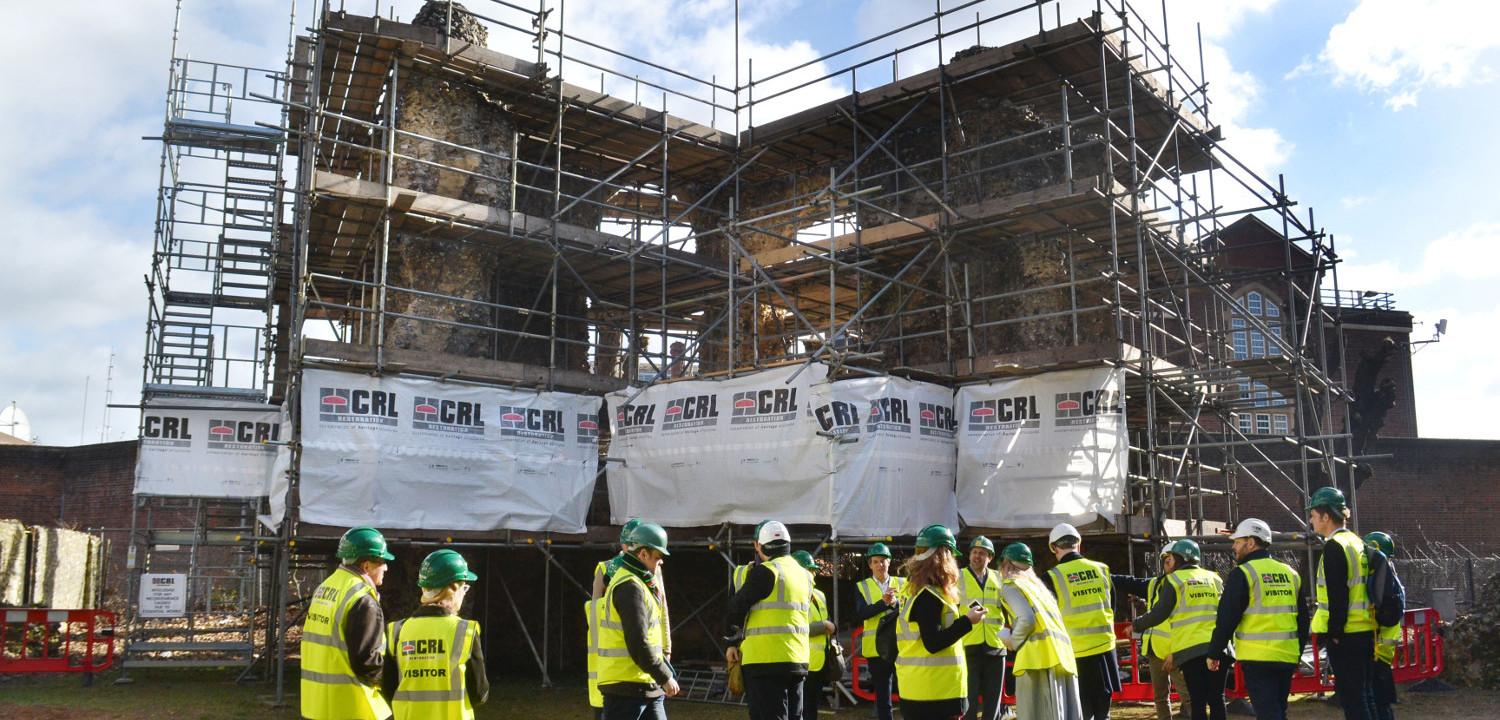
{"type": "Point", "coordinates": [930, 666]}
{"type": "Point", "coordinates": [1045, 669]}
{"type": "Point", "coordinates": [434, 664]}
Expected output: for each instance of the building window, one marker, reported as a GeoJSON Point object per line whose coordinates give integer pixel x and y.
{"type": "Point", "coordinates": [1263, 423]}
{"type": "Point", "coordinates": [1279, 424]}
{"type": "Point", "coordinates": [1247, 423]}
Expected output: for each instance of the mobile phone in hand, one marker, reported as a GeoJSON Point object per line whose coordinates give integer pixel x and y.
{"type": "Point", "coordinates": [975, 605]}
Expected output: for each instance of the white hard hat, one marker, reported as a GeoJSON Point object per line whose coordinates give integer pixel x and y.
{"type": "Point", "coordinates": [1253, 527]}
{"type": "Point", "coordinates": [772, 531]}
{"type": "Point", "coordinates": [1166, 548]}
{"type": "Point", "coordinates": [1061, 531]}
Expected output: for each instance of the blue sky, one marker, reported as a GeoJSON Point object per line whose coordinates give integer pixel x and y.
{"type": "Point", "coordinates": [1379, 112]}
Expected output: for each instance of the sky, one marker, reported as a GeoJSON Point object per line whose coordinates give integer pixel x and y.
{"type": "Point", "coordinates": [1378, 112]}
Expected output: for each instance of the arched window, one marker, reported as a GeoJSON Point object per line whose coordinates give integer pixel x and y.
{"type": "Point", "coordinates": [1248, 340]}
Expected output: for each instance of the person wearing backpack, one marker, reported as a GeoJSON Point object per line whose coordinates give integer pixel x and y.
{"type": "Point", "coordinates": [1344, 620]}
{"type": "Point", "coordinates": [877, 598]}
{"type": "Point", "coordinates": [1261, 612]}
{"type": "Point", "coordinates": [930, 664]}
{"type": "Point", "coordinates": [1046, 671]}
{"type": "Point", "coordinates": [1389, 598]}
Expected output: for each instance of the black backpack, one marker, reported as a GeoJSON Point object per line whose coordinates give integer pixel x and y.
{"type": "Point", "coordinates": [885, 636]}
{"type": "Point", "coordinates": [1387, 595]}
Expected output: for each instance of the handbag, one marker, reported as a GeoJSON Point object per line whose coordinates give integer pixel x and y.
{"type": "Point", "coordinates": [736, 680]}
{"type": "Point", "coordinates": [834, 663]}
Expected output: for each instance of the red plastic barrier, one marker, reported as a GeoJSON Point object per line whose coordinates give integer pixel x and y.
{"type": "Point", "coordinates": [57, 641]}
{"type": "Point", "coordinates": [1419, 657]}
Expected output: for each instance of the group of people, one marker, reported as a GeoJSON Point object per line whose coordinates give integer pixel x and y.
{"type": "Point", "coordinates": [953, 629]}
{"type": "Point", "coordinates": [355, 665]}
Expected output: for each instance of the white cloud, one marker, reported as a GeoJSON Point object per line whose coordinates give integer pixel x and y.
{"type": "Point", "coordinates": [1349, 202]}
{"type": "Point", "coordinates": [1398, 48]}
{"type": "Point", "coordinates": [1469, 254]}
{"type": "Point", "coordinates": [1454, 374]}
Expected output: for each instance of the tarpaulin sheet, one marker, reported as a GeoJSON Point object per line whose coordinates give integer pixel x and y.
{"type": "Point", "coordinates": [207, 448]}
{"type": "Point", "coordinates": [1041, 450]}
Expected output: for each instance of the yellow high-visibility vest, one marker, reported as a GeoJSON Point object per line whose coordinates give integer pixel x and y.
{"type": "Point", "coordinates": [1268, 630]}
{"type": "Point", "coordinates": [871, 592]}
{"type": "Point", "coordinates": [740, 573]}
{"type": "Point", "coordinates": [329, 689]}
{"type": "Point", "coordinates": [1157, 639]}
{"type": "Point", "coordinates": [1048, 647]}
{"type": "Point", "coordinates": [922, 675]}
{"type": "Point", "coordinates": [776, 628]}
{"type": "Point", "coordinates": [986, 633]}
{"type": "Point", "coordinates": [1386, 641]}
{"type": "Point", "coordinates": [431, 652]}
{"type": "Point", "coordinates": [591, 642]}
{"type": "Point", "coordinates": [1197, 607]}
{"type": "Point", "coordinates": [615, 664]}
{"type": "Point", "coordinates": [1087, 605]}
{"type": "Point", "coordinates": [817, 640]}
{"type": "Point", "coordinates": [1361, 617]}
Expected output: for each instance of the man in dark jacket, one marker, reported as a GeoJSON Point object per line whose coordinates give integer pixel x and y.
{"type": "Point", "coordinates": [634, 682]}
{"type": "Point", "coordinates": [343, 638]}
{"type": "Point", "coordinates": [771, 631]}
{"type": "Point", "coordinates": [1260, 611]}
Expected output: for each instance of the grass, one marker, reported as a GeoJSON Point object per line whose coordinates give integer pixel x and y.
{"type": "Point", "coordinates": [213, 695]}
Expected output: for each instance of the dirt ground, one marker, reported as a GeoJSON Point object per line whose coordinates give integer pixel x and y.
{"type": "Point", "coordinates": [212, 695]}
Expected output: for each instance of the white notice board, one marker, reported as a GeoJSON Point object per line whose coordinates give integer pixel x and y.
{"type": "Point", "coordinates": [163, 595]}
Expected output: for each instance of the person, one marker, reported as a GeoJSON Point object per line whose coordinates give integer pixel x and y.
{"type": "Point", "coordinates": [1085, 596]}
{"type": "Point", "coordinates": [591, 651]}
{"type": "Point", "coordinates": [634, 675]}
{"type": "Point", "coordinates": [434, 662]}
{"type": "Point", "coordinates": [1344, 619]}
{"type": "Point", "coordinates": [877, 596]}
{"type": "Point", "coordinates": [1387, 639]}
{"type": "Point", "coordinates": [983, 653]}
{"type": "Point", "coordinates": [679, 366]}
{"type": "Point", "coordinates": [768, 627]}
{"type": "Point", "coordinates": [343, 639]}
{"type": "Point", "coordinates": [1260, 612]}
{"type": "Point", "coordinates": [1046, 672]}
{"type": "Point", "coordinates": [930, 628]}
{"type": "Point", "coordinates": [604, 569]}
{"type": "Point", "coordinates": [1156, 641]}
{"type": "Point", "coordinates": [1190, 601]}
{"type": "Point", "coordinates": [819, 630]}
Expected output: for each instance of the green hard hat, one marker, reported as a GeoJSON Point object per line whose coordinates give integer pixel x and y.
{"type": "Point", "coordinates": [1328, 497]}
{"type": "Point", "coordinates": [877, 550]}
{"type": "Point", "coordinates": [1187, 550]}
{"type": "Point", "coordinates": [651, 535]}
{"type": "Point", "coordinates": [626, 529]}
{"type": "Point", "coordinates": [363, 542]}
{"type": "Point", "coordinates": [805, 559]}
{"type": "Point", "coordinates": [982, 542]}
{"type": "Point", "coordinates": [1017, 553]}
{"type": "Point", "coordinates": [443, 568]}
{"type": "Point", "coordinates": [1381, 542]}
{"type": "Point", "coordinates": [937, 536]}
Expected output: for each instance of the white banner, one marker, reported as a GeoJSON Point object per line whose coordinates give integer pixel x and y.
{"type": "Point", "coordinates": [207, 448]}
{"type": "Point", "coordinates": [894, 458]}
{"type": "Point", "coordinates": [701, 452]}
{"type": "Point", "coordinates": [409, 453]}
{"type": "Point", "coordinates": [1037, 451]}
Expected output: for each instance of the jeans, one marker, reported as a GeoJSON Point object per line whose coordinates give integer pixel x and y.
{"type": "Point", "coordinates": [774, 697]}
{"type": "Point", "coordinates": [1161, 689]}
{"type": "Point", "coordinates": [1205, 689]}
{"type": "Point", "coordinates": [626, 707]}
{"type": "Point", "coordinates": [1350, 660]}
{"type": "Point", "coordinates": [882, 675]}
{"type": "Point", "coordinates": [986, 677]}
{"type": "Point", "coordinates": [1383, 684]}
{"type": "Point", "coordinates": [1268, 684]}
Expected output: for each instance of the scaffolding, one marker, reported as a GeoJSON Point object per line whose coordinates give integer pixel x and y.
{"type": "Point", "coordinates": [1055, 201]}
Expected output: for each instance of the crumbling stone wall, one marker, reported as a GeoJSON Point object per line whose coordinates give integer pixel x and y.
{"type": "Point", "coordinates": [446, 109]}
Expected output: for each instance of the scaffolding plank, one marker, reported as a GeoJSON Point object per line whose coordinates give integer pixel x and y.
{"type": "Point", "coordinates": [464, 368]}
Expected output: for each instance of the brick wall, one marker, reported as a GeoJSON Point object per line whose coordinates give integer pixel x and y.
{"type": "Point", "coordinates": [1430, 491]}
{"type": "Point", "coordinates": [82, 487]}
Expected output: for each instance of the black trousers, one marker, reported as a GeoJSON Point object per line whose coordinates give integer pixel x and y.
{"type": "Point", "coordinates": [1094, 695]}
{"type": "Point", "coordinates": [1205, 689]}
{"type": "Point", "coordinates": [774, 697]}
{"type": "Point", "coordinates": [1383, 684]}
{"type": "Point", "coordinates": [986, 678]}
{"type": "Point", "coordinates": [624, 707]}
{"type": "Point", "coordinates": [812, 693]}
{"type": "Point", "coordinates": [1268, 684]}
{"type": "Point", "coordinates": [1350, 660]}
{"type": "Point", "coordinates": [882, 676]}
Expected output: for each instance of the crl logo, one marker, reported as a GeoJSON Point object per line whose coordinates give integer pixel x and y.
{"type": "Point", "coordinates": [635, 419]}
{"type": "Point", "coordinates": [890, 415]}
{"type": "Point", "coordinates": [243, 435]}
{"type": "Point", "coordinates": [449, 416]}
{"type": "Point", "coordinates": [1014, 413]}
{"type": "Point", "coordinates": [755, 407]}
{"type": "Point", "coordinates": [535, 423]}
{"type": "Point", "coordinates": [1083, 408]}
{"type": "Point", "coordinates": [162, 431]}
{"type": "Point", "coordinates": [936, 420]}
{"type": "Point", "coordinates": [588, 428]}
{"type": "Point", "coordinates": [838, 417]}
{"type": "Point", "coordinates": [691, 412]}
{"type": "Point", "coordinates": [357, 407]}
